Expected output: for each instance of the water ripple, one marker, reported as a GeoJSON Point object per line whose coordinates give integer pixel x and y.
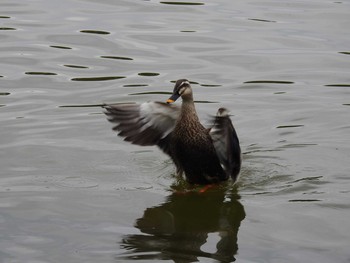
{"type": "Point", "coordinates": [181, 3]}
{"type": "Point", "coordinates": [105, 78]}
{"type": "Point", "coordinates": [98, 32]}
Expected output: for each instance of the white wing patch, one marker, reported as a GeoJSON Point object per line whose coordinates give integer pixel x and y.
{"type": "Point", "coordinates": [143, 124]}
{"type": "Point", "coordinates": [159, 116]}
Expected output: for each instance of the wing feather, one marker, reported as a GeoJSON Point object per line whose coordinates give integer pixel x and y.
{"type": "Point", "coordinates": [226, 143]}
{"type": "Point", "coordinates": [149, 123]}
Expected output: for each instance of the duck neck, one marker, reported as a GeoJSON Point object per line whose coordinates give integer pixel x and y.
{"type": "Point", "coordinates": [188, 110]}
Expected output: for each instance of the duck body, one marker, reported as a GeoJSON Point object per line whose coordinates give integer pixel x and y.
{"type": "Point", "coordinates": [192, 147]}
{"type": "Point", "coordinates": [204, 155]}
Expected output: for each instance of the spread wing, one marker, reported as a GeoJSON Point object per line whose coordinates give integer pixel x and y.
{"type": "Point", "coordinates": [149, 123]}
{"type": "Point", "coordinates": [226, 143]}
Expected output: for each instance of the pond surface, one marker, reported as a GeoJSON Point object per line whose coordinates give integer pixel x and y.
{"type": "Point", "coordinates": [72, 191]}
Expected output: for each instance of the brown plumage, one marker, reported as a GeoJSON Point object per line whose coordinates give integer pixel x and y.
{"type": "Point", "coordinates": [204, 155]}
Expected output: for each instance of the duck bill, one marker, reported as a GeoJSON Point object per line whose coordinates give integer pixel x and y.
{"type": "Point", "coordinates": [173, 98]}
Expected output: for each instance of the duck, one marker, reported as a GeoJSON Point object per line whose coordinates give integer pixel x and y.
{"type": "Point", "coordinates": [203, 155]}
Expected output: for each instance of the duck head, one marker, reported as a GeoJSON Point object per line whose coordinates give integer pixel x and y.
{"type": "Point", "coordinates": [182, 89]}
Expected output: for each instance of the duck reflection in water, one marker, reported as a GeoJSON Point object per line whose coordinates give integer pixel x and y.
{"type": "Point", "coordinates": [179, 229]}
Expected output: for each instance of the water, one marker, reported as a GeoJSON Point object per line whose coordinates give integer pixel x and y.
{"type": "Point", "coordinates": [72, 191]}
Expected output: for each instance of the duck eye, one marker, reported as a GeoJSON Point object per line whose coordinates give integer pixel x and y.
{"type": "Point", "coordinates": [183, 86]}
{"type": "Point", "coordinates": [184, 83]}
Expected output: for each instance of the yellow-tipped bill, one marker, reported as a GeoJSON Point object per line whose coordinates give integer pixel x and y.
{"type": "Point", "coordinates": [173, 98]}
